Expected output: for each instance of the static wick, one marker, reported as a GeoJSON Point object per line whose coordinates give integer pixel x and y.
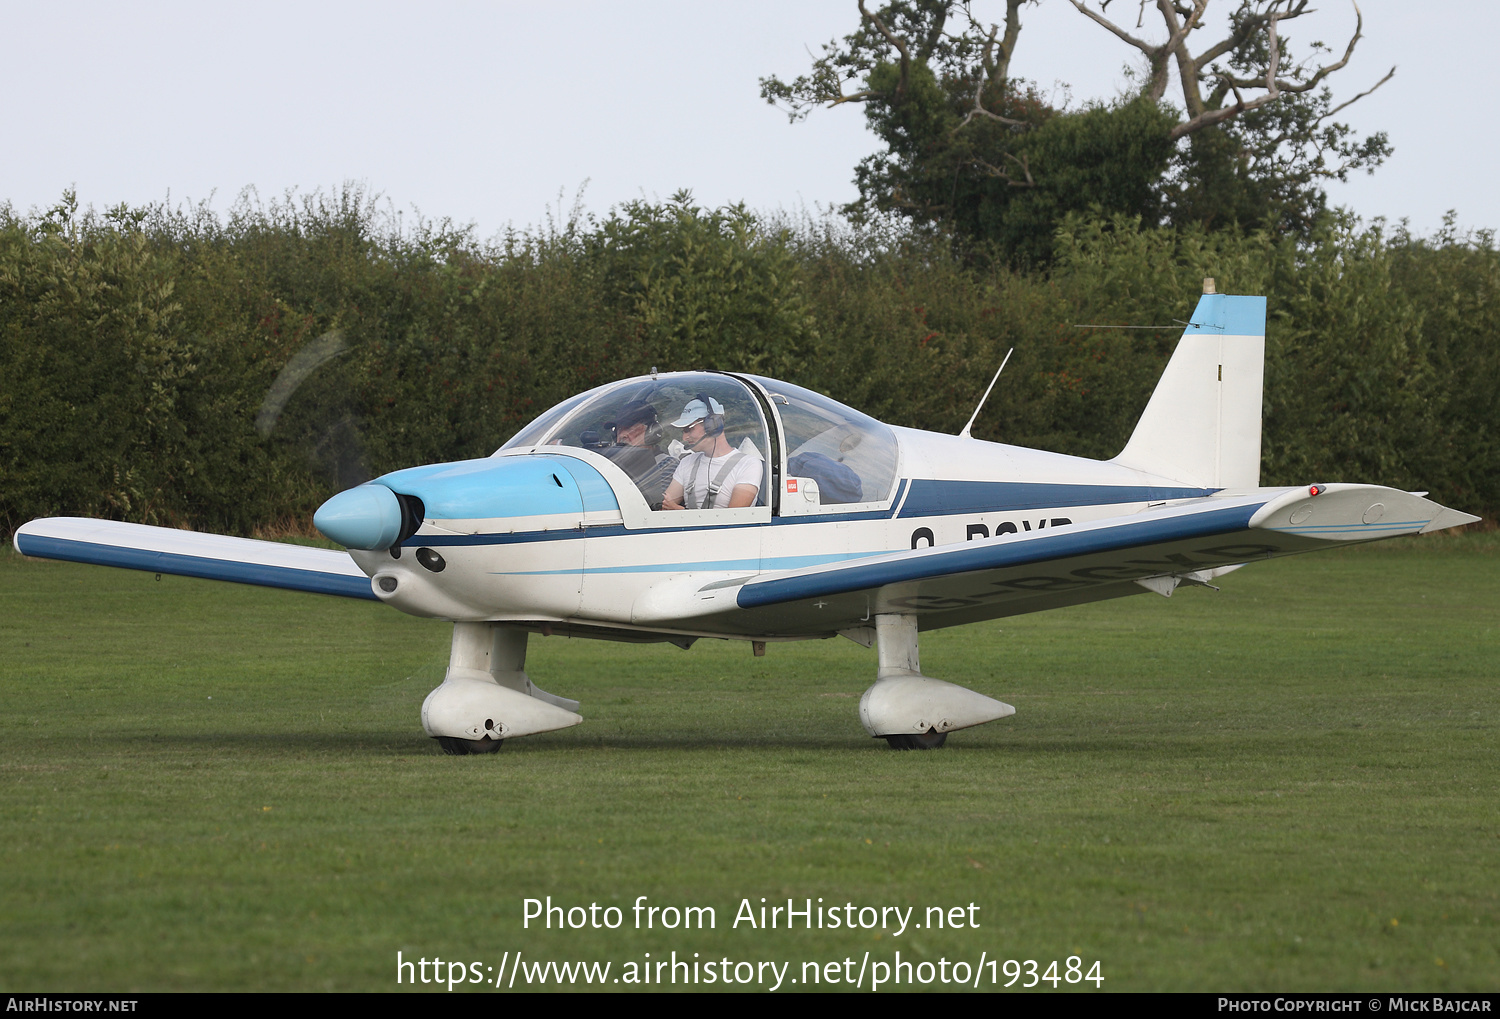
{"type": "Point", "coordinates": [1208, 288]}
{"type": "Point", "coordinates": [965, 433]}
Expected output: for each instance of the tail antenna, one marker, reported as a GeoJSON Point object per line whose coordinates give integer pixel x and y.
{"type": "Point", "coordinates": [965, 433]}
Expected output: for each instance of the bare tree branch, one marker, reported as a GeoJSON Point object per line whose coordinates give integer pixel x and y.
{"type": "Point", "coordinates": [1179, 34]}
{"type": "Point", "coordinates": [1187, 67]}
{"type": "Point", "coordinates": [1210, 117]}
{"type": "Point", "coordinates": [1144, 47]}
{"type": "Point", "coordinates": [1156, 55]}
{"type": "Point", "coordinates": [895, 41]}
{"type": "Point", "coordinates": [898, 199]}
{"type": "Point", "coordinates": [1181, 19]}
{"type": "Point", "coordinates": [1247, 28]}
{"type": "Point", "coordinates": [1001, 73]}
{"type": "Point", "coordinates": [996, 72]}
{"type": "Point", "coordinates": [857, 97]}
{"type": "Point", "coordinates": [934, 35]}
{"type": "Point", "coordinates": [995, 171]}
{"type": "Point", "coordinates": [1388, 75]}
{"type": "Point", "coordinates": [997, 69]}
{"type": "Point", "coordinates": [1273, 62]}
{"type": "Point", "coordinates": [1284, 85]}
{"type": "Point", "coordinates": [980, 111]}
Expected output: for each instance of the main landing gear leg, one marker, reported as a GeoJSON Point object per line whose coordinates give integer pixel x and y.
{"type": "Point", "coordinates": [486, 696]}
{"type": "Point", "coordinates": [912, 711]}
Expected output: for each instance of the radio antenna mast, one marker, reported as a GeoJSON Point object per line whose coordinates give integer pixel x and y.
{"type": "Point", "coordinates": [965, 433]}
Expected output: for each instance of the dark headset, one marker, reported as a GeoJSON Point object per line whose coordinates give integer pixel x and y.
{"type": "Point", "coordinates": [646, 414]}
{"type": "Point", "coordinates": [714, 423]}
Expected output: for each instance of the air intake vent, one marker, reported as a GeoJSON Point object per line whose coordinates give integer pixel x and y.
{"type": "Point", "coordinates": [412, 515]}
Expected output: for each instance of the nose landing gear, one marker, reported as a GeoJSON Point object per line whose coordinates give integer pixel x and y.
{"type": "Point", "coordinates": [486, 696]}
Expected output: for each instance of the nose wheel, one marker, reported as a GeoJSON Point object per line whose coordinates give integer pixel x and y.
{"type": "Point", "coordinates": [929, 740]}
{"type": "Point", "coordinates": [457, 747]}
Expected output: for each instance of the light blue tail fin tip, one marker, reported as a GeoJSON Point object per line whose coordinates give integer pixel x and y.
{"type": "Point", "coordinates": [1228, 315]}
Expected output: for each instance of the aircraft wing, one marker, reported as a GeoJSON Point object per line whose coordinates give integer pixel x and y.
{"type": "Point", "coordinates": [194, 554]}
{"type": "Point", "coordinates": [1153, 550]}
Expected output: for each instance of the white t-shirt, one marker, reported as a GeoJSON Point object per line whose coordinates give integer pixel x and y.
{"type": "Point", "coordinates": [749, 470]}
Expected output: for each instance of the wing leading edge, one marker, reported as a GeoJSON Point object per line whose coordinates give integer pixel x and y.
{"type": "Point", "coordinates": [194, 554]}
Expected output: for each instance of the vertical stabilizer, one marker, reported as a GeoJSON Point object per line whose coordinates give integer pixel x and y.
{"type": "Point", "coordinates": [1202, 425]}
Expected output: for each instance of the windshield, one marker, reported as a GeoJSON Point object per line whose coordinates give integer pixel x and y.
{"type": "Point", "coordinates": [533, 433]}
{"type": "Point", "coordinates": [639, 424]}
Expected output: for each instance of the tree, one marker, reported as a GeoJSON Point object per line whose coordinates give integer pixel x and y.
{"type": "Point", "coordinates": [1259, 160]}
{"type": "Point", "coordinates": [969, 146]}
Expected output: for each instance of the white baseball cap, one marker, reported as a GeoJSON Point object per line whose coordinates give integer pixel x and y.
{"type": "Point", "coordinates": [695, 411]}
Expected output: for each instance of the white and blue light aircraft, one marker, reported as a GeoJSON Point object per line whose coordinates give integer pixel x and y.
{"type": "Point", "coordinates": [835, 524]}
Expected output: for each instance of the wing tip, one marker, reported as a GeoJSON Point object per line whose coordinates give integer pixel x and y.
{"type": "Point", "coordinates": [1447, 519]}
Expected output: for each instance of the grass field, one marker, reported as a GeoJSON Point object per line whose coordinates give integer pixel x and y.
{"type": "Point", "coordinates": [1287, 785]}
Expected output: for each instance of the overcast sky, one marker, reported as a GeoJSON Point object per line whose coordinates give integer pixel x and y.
{"type": "Point", "coordinates": [486, 112]}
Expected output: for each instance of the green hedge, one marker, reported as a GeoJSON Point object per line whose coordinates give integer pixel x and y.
{"type": "Point", "coordinates": [138, 348]}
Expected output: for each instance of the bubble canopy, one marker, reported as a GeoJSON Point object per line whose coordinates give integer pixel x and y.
{"type": "Point", "coordinates": [851, 455]}
{"type": "Point", "coordinates": [816, 427]}
{"type": "Point", "coordinates": [592, 420]}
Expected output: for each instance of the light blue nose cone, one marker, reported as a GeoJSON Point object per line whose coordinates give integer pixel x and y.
{"type": "Point", "coordinates": [367, 517]}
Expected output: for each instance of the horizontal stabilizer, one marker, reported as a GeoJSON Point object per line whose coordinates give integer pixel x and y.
{"type": "Point", "coordinates": [194, 554]}
{"type": "Point", "coordinates": [1355, 513]}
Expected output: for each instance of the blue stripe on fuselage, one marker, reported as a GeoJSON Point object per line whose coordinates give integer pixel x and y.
{"type": "Point", "coordinates": [788, 562]}
{"type": "Point", "coordinates": [928, 498]}
{"type": "Point", "coordinates": [944, 498]}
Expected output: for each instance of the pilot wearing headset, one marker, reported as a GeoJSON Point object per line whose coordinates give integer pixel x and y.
{"type": "Point", "coordinates": [714, 475]}
{"type": "Point", "coordinates": [635, 450]}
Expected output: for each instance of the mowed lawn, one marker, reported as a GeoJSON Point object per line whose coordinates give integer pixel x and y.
{"type": "Point", "coordinates": [1290, 784]}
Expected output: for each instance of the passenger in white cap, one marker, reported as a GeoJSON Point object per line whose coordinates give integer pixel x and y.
{"type": "Point", "coordinates": [714, 475]}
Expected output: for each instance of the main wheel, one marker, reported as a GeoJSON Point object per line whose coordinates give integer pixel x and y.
{"type": "Point", "coordinates": [929, 740]}
{"type": "Point", "coordinates": [459, 747]}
